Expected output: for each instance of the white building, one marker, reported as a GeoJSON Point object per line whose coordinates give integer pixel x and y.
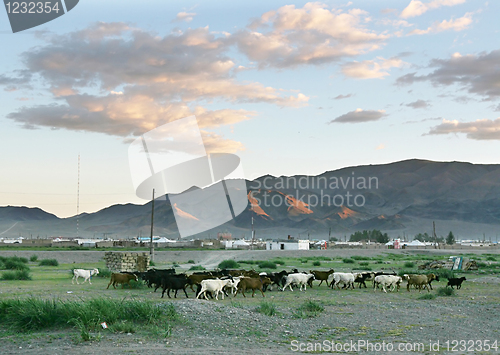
{"type": "Point", "coordinates": [287, 245]}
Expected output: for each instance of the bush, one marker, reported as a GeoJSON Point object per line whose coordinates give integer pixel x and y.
{"type": "Point", "coordinates": [278, 262]}
{"type": "Point", "coordinates": [409, 264]}
{"type": "Point", "coordinates": [34, 258]}
{"type": "Point", "coordinates": [15, 264]}
{"type": "Point", "coordinates": [16, 275]}
{"type": "Point", "coordinates": [267, 265]}
{"type": "Point", "coordinates": [357, 257]}
{"type": "Point", "coordinates": [348, 261]}
{"type": "Point", "coordinates": [309, 309]}
{"type": "Point", "coordinates": [445, 291]}
{"type": "Point", "coordinates": [228, 264]}
{"type": "Point", "coordinates": [491, 258]}
{"type": "Point", "coordinates": [104, 273]}
{"type": "Point", "coordinates": [267, 308]}
{"type": "Point", "coordinates": [316, 263]}
{"type": "Point", "coordinates": [196, 267]}
{"type": "Point", "coordinates": [427, 296]}
{"type": "Point", "coordinates": [191, 262]}
{"type": "Point", "coordinates": [364, 263]}
{"type": "Point", "coordinates": [248, 262]}
{"type": "Point", "coordinates": [48, 262]}
{"type": "Point", "coordinates": [444, 273]}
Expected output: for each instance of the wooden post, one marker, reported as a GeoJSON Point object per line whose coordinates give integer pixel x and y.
{"type": "Point", "coordinates": [151, 246]}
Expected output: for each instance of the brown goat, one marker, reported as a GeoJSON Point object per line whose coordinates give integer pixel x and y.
{"type": "Point", "coordinates": [123, 279]}
{"type": "Point", "coordinates": [322, 275]}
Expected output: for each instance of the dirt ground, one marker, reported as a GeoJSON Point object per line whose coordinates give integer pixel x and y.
{"type": "Point", "coordinates": [350, 317]}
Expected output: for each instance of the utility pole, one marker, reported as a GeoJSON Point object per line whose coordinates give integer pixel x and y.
{"type": "Point", "coordinates": [152, 248]}
{"type": "Point", "coordinates": [434, 234]}
{"type": "Point", "coordinates": [78, 198]}
{"type": "Point", "coordinates": [253, 234]}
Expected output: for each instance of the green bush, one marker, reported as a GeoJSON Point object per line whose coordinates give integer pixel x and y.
{"type": "Point", "coordinates": [191, 262]}
{"type": "Point", "coordinates": [364, 263]}
{"type": "Point", "coordinates": [409, 264]}
{"type": "Point", "coordinates": [348, 261]}
{"type": "Point", "coordinates": [444, 273]}
{"type": "Point", "coordinates": [445, 291]}
{"type": "Point", "coordinates": [16, 275]}
{"type": "Point", "coordinates": [267, 308]}
{"type": "Point", "coordinates": [267, 265]}
{"type": "Point", "coordinates": [196, 267]}
{"type": "Point", "coordinates": [357, 257]}
{"type": "Point", "coordinates": [309, 309]}
{"type": "Point", "coordinates": [278, 261]}
{"type": "Point", "coordinates": [491, 258]}
{"type": "Point", "coordinates": [34, 258]}
{"type": "Point", "coordinates": [104, 273]}
{"type": "Point", "coordinates": [228, 264]}
{"type": "Point", "coordinates": [364, 268]}
{"type": "Point", "coordinates": [15, 264]}
{"type": "Point", "coordinates": [247, 262]}
{"type": "Point", "coordinates": [316, 263]}
{"type": "Point", "coordinates": [427, 296]}
{"type": "Point", "coordinates": [48, 262]}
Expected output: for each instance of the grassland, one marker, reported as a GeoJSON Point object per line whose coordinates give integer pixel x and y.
{"type": "Point", "coordinates": [273, 322]}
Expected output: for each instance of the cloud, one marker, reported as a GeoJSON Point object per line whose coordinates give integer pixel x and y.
{"type": "Point", "coordinates": [371, 69]}
{"type": "Point", "coordinates": [479, 74]}
{"type": "Point", "coordinates": [424, 120]}
{"type": "Point", "coordinates": [359, 116]}
{"type": "Point", "coordinates": [479, 130]}
{"type": "Point", "coordinates": [459, 24]}
{"type": "Point", "coordinates": [312, 34]}
{"type": "Point", "coordinates": [417, 8]}
{"type": "Point", "coordinates": [380, 147]}
{"type": "Point", "coordinates": [419, 104]}
{"type": "Point", "coordinates": [341, 97]}
{"type": "Point", "coordinates": [119, 80]}
{"type": "Point", "coordinates": [185, 16]}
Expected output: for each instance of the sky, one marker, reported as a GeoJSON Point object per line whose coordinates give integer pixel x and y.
{"type": "Point", "coordinates": [290, 87]}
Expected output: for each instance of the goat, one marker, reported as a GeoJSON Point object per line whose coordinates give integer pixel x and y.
{"type": "Point", "coordinates": [123, 279]}
{"type": "Point", "coordinates": [387, 280]}
{"type": "Point", "coordinates": [174, 282]}
{"type": "Point", "coordinates": [299, 279]}
{"type": "Point", "coordinates": [86, 274]}
{"type": "Point", "coordinates": [252, 284]}
{"type": "Point", "coordinates": [420, 281]}
{"type": "Point", "coordinates": [322, 275]}
{"type": "Point", "coordinates": [454, 281]}
{"type": "Point", "coordinates": [214, 286]}
{"type": "Point", "coordinates": [346, 278]}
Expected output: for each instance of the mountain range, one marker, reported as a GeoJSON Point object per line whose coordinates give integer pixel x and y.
{"type": "Point", "coordinates": [401, 198]}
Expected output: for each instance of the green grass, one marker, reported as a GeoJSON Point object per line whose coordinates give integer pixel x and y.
{"type": "Point", "coordinates": [36, 314]}
{"type": "Point", "coordinates": [16, 275]}
{"type": "Point", "coordinates": [267, 308]}
{"type": "Point", "coordinates": [228, 264]}
{"type": "Point", "coordinates": [196, 268]}
{"type": "Point", "coordinates": [308, 309]}
{"type": "Point", "coordinates": [267, 265]}
{"type": "Point", "coordinates": [445, 291]}
{"type": "Point", "coordinates": [48, 262]}
{"type": "Point", "coordinates": [427, 296]}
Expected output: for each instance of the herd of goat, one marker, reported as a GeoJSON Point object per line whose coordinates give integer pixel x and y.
{"type": "Point", "coordinates": [223, 282]}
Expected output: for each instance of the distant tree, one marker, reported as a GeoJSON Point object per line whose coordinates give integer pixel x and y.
{"type": "Point", "coordinates": [450, 239]}
{"type": "Point", "coordinates": [423, 237]}
{"type": "Point", "coordinates": [333, 239]}
{"type": "Point", "coordinates": [374, 235]}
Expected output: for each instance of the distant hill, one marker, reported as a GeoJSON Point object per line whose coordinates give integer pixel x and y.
{"type": "Point", "coordinates": [402, 197]}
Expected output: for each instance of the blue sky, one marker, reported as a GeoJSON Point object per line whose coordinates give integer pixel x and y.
{"type": "Point", "coordinates": [290, 87]}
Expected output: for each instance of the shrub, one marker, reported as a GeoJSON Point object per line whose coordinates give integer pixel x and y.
{"type": "Point", "coordinates": [267, 265]}
{"type": "Point", "coordinates": [152, 263]}
{"type": "Point", "coordinates": [348, 261]}
{"type": "Point", "coordinates": [357, 257]}
{"type": "Point", "coordinates": [267, 308]}
{"type": "Point", "coordinates": [364, 263]}
{"type": "Point", "coordinates": [196, 267]}
{"type": "Point", "coordinates": [303, 261]}
{"type": "Point", "coordinates": [16, 275]}
{"type": "Point", "coordinates": [48, 262]}
{"type": "Point", "coordinates": [228, 264]}
{"type": "Point", "coordinates": [364, 268]}
{"type": "Point", "coordinates": [445, 291]}
{"type": "Point", "coordinates": [248, 262]}
{"type": "Point", "coordinates": [316, 263]}
{"type": "Point", "coordinates": [34, 258]}
{"type": "Point", "coordinates": [491, 258]}
{"type": "Point", "coordinates": [191, 262]}
{"type": "Point", "coordinates": [409, 264]}
{"type": "Point", "coordinates": [278, 262]}
{"type": "Point", "coordinates": [104, 273]}
{"type": "Point", "coordinates": [309, 309]}
{"type": "Point", "coordinates": [444, 273]}
{"type": "Point", "coordinates": [15, 264]}
{"type": "Point", "coordinates": [427, 296]}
